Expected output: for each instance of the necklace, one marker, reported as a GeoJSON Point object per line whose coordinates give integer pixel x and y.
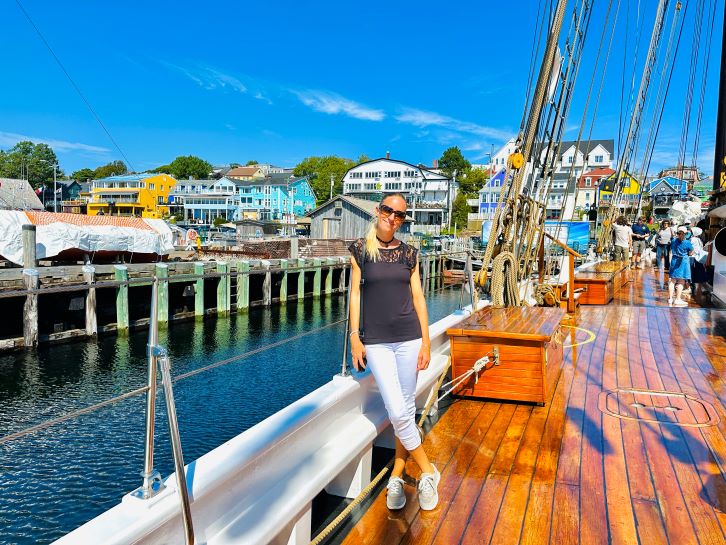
{"type": "Point", "coordinates": [384, 242]}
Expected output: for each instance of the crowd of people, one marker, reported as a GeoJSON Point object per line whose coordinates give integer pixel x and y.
{"type": "Point", "coordinates": [678, 251]}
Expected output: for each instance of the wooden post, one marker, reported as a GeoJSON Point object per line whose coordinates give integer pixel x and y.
{"type": "Point", "coordinates": [223, 288]}
{"type": "Point", "coordinates": [329, 277]}
{"type": "Point", "coordinates": [432, 266]}
{"type": "Point", "coordinates": [301, 279]}
{"type": "Point", "coordinates": [161, 270]}
{"type": "Point", "coordinates": [571, 284]}
{"type": "Point", "coordinates": [243, 285]}
{"type": "Point", "coordinates": [30, 311]}
{"type": "Point", "coordinates": [317, 263]}
{"type": "Point", "coordinates": [199, 290]}
{"type": "Point", "coordinates": [89, 274]}
{"type": "Point", "coordinates": [29, 247]}
{"type": "Point", "coordinates": [283, 283]}
{"type": "Point", "coordinates": [266, 284]}
{"type": "Point", "coordinates": [425, 268]}
{"type": "Point", "coordinates": [122, 298]}
{"type": "Point", "coordinates": [294, 248]}
{"type": "Point", "coordinates": [341, 281]}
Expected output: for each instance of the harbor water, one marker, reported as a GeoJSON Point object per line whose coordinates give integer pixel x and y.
{"type": "Point", "coordinates": [58, 478]}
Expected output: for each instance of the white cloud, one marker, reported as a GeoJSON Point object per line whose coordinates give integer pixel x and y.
{"type": "Point", "coordinates": [263, 98]}
{"type": "Point", "coordinates": [11, 138]}
{"type": "Point", "coordinates": [332, 103]}
{"type": "Point", "coordinates": [209, 77]}
{"type": "Point", "coordinates": [421, 118]}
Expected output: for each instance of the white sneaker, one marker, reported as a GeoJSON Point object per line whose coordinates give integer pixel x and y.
{"type": "Point", "coordinates": [396, 495]}
{"type": "Point", "coordinates": [428, 495]}
{"type": "Point", "coordinates": [680, 303]}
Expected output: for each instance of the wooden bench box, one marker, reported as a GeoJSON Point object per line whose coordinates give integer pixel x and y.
{"type": "Point", "coordinates": [528, 346]}
{"type": "Point", "coordinates": [601, 281]}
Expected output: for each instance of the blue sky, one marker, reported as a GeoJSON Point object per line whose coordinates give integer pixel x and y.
{"type": "Point", "coordinates": [278, 81]}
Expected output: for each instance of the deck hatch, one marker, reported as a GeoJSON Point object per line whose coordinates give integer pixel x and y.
{"type": "Point", "coordinates": [661, 407]}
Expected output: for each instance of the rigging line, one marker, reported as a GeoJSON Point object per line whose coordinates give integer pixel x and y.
{"type": "Point", "coordinates": [622, 84]}
{"type": "Point", "coordinates": [706, 62]}
{"type": "Point", "coordinates": [695, 50]}
{"type": "Point", "coordinates": [92, 408]}
{"type": "Point", "coordinates": [73, 83]}
{"type": "Point", "coordinates": [536, 42]}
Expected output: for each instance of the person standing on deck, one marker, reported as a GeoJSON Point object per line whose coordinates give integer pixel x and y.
{"type": "Point", "coordinates": [623, 238]}
{"type": "Point", "coordinates": [393, 338]}
{"type": "Point", "coordinates": [663, 244]}
{"type": "Point", "coordinates": [640, 236]}
{"type": "Point", "coordinates": [680, 271]}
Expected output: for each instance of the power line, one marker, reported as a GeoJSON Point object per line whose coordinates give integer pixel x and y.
{"type": "Point", "coordinates": [73, 83]}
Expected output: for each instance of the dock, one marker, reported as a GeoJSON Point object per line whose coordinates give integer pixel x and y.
{"type": "Point", "coordinates": [629, 447]}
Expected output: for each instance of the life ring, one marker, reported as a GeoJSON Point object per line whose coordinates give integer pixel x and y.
{"type": "Point", "coordinates": [192, 235]}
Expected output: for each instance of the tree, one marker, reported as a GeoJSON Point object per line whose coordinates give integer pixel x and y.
{"type": "Point", "coordinates": [219, 220]}
{"type": "Point", "coordinates": [83, 175]}
{"type": "Point", "coordinates": [251, 162]}
{"type": "Point", "coordinates": [460, 211]}
{"type": "Point", "coordinates": [363, 158]}
{"type": "Point", "coordinates": [114, 168]}
{"type": "Point", "coordinates": [34, 162]}
{"type": "Point", "coordinates": [451, 160]}
{"type": "Point", "coordinates": [190, 166]}
{"type": "Point", "coordinates": [471, 182]}
{"type": "Point", "coordinates": [163, 169]}
{"type": "Point", "coordinates": [318, 171]}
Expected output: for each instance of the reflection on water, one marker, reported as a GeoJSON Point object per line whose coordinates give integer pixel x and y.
{"type": "Point", "coordinates": [57, 479]}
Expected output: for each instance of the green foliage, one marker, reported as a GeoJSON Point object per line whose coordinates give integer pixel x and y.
{"type": "Point", "coordinates": [460, 211]}
{"type": "Point", "coordinates": [83, 175]}
{"type": "Point", "coordinates": [472, 182]}
{"type": "Point", "coordinates": [451, 160]}
{"type": "Point", "coordinates": [114, 168]}
{"type": "Point", "coordinates": [219, 221]}
{"type": "Point", "coordinates": [362, 158]}
{"type": "Point", "coordinates": [163, 169]}
{"type": "Point", "coordinates": [251, 162]}
{"type": "Point", "coordinates": [186, 166]}
{"type": "Point", "coordinates": [318, 171]}
{"type": "Point", "coordinates": [35, 162]}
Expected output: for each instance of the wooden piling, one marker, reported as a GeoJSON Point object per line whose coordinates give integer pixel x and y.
{"type": "Point", "coordinates": [283, 282]}
{"type": "Point", "coordinates": [301, 279]}
{"type": "Point", "coordinates": [29, 248]}
{"type": "Point", "coordinates": [199, 290]}
{"type": "Point", "coordinates": [30, 311]}
{"type": "Point", "coordinates": [424, 266]}
{"type": "Point", "coordinates": [432, 278]}
{"type": "Point", "coordinates": [122, 299]}
{"type": "Point", "coordinates": [89, 276]}
{"type": "Point", "coordinates": [329, 278]}
{"type": "Point", "coordinates": [161, 270]}
{"type": "Point", "coordinates": [294, 248]}
{"type": "Point", "coordinates": [243, 285]}
{"type": "Point", "coordinates": [267, 284]}
{"type": "Point", "coordinates": [341, 281]}
{"type": "Point", "coordinates": [223, 288]}
{"type": "Point", "coordinates": [317, 263]}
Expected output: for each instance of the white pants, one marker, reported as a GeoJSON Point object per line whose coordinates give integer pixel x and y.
{"type": "Point", "coordinates": [394, 367]}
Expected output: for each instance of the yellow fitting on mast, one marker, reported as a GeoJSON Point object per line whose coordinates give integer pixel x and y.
{"type": "Point", "coordinates": [515, 161]}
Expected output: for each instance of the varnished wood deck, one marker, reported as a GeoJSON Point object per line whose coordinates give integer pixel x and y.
{"type": "Point", "coordinates": [568, 473]}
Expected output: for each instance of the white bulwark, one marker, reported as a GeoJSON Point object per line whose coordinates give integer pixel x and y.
{"type": "Point", "coordinates": [429, 195]}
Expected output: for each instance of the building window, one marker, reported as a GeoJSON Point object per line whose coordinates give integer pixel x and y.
{"type": "Point", "coordinates": [598, 158]}
{"type": "Point", "coordinates": [373, 174]}
{"type": "Point", "coordinates": [569, 160]}
{"type": "Point", "coordinates": [588, 182]}
{"type": "Point", "coordinates": [356, 174]}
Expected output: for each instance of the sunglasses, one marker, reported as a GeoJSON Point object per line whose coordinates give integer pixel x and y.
{"type": "Point", "coordinates": [387, 211]}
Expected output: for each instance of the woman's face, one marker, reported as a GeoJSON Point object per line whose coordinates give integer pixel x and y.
{"type": "Point", "coordinates": [391, 214]}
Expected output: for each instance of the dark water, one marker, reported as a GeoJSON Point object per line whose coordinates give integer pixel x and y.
{"type": "Point", "coordinates": [59, 478]}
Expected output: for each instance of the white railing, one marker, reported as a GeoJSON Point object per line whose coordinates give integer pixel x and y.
{"type": "Point", "coordinates": [258, 487]}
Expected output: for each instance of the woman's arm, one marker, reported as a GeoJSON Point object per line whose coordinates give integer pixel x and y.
{"type": "Point", "coordinates": [357, 350]}
{"type": "Point", "coordinates": [419, 304]}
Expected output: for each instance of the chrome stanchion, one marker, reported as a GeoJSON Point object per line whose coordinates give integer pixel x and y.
{"type": "Point", "coordinates": [344, 365]}
{"type": "Point", "coordinates": [181, 479]}
{"type": "Point", "coordinates": [152, 483]}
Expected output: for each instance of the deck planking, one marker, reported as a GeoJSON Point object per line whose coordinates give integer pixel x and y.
{"type": "Point", "coordinates": [569, 473]}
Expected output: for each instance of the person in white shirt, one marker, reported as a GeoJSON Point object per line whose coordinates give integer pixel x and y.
{"type": "Point", "coordinates": [623, 238]}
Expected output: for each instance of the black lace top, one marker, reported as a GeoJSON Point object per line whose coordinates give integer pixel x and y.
{"type": "Point", "coordinates": [388, 313]}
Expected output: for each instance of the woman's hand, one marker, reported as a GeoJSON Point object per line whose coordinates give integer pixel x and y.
{"type": "Point", "coordinates": [424, 357]}
{"type": "Point", "coordinates": [357, 352]}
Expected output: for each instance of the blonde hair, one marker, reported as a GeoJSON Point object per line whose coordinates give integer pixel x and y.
{"type": "Point", "coordinates": [370, 239]}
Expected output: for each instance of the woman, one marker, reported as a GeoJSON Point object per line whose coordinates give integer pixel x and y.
{"type": "Point", "coordinates": [395, 338]}
{"type": "Point", "coordinates": [663, 244]}
{"type": "Point", "coordinates": [680, 271]}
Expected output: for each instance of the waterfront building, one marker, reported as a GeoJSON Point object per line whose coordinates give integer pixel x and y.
{"type": "Point", "coordinates": [346, 217]}
{"type": "Point", "coordinates": [74, 196]}
{"type": "Point", "coordinates": [18, 194]}
{"type": "Point", "coordinates": [143, 195]}
{"type": "Point", "coordinates": [662, 192]}
{"type": "Point", "coordinates": [587, 189]}
{"type": "Point", "coordinates": [630, 195]}
{"type": "Point", "coordinates": [681, 172]}
{"type": "Point", "coordinates": [428, 194]}
{"type": "Point", "coordinates": [268, 169]}
{"type": "Point", "coordinates": [245, 173]}
{"type": "Point", "coordinates": [489, 196]}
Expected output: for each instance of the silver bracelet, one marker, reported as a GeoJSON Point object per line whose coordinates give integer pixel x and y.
{"type": "Point", "coordinates": [355, 331]}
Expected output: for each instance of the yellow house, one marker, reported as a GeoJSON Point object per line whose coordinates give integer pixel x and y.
{"type": "Point", "coordinates": [246, 173]}
{"type": "Point", "coordinates": [144, 195]}
{"type": "Point", "coordinates": [630, 191]}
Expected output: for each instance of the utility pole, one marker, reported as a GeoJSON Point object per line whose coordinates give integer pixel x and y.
{"type": "Point", "coordinates": [450, 199]}
{"type": "Point", "coordinates": [55, 188]}
{"type": "Point", "coordinates": [331, 187]}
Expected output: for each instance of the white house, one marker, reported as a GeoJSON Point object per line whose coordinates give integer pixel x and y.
{"type": "Point", "coordinates": [429, 195]}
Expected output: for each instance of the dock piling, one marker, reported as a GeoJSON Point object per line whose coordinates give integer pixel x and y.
{"type": "Point", "coordinates": [29, 248]}
{"type": "Point", "coordinates": [317, 264]}
{"type": "Point", "coordinates": [329, 277]}
{"type": "Point", "coordinates": [199, 290]}
{"type": "Point", "coordinates": [161, 270]}
{"type": "Point", "coordinates": [30, 311]}
{"type": "Point", "coordinates": [223, 288]}
{"type": "Point", "coordinates": [89, 276]}
{"type": "Point", "coordinates": [122, 298]}
{"type": "Point", "coordinates": [283, 283]}
{"type": "Point", "coordinates": [243, 285]}
{"type": "Point", "coordinates": [301, 279]}
{"type": "Point", "coordinates": [267, 284]}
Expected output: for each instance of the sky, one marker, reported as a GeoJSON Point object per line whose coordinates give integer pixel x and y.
{"type": "Point", "coordinates": [278, 81]}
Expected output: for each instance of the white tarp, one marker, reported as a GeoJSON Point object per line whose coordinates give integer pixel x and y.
{"type": "Point", "coordinates": [53, 238]}
{"type": "Point", "coordinates": [685, 212]}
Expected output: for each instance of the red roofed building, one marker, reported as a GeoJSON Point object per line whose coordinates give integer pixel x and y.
{"type": "Point", "coordinates": [587, 185]}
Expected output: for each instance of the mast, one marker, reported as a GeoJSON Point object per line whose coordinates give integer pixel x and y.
{"type": "Point", "coordinates": [719, 161]}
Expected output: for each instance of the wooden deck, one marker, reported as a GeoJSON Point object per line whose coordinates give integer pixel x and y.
{"type": "Point", "coordinates": [649, 471]}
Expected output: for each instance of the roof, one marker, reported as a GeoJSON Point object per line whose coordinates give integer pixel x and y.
{"type": "Point", "coordinates": [18, 195]}
{"type": "Point", "coordinates": [584, 147]}
{"type": "Point", "coordinates": [599, 172]}
{"type": "Point", "coordinates": [427, 174]}
{"type": "Point", "coordinates": [132, 177]}
{"type": "Point", "coordinates": [243, 171]}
